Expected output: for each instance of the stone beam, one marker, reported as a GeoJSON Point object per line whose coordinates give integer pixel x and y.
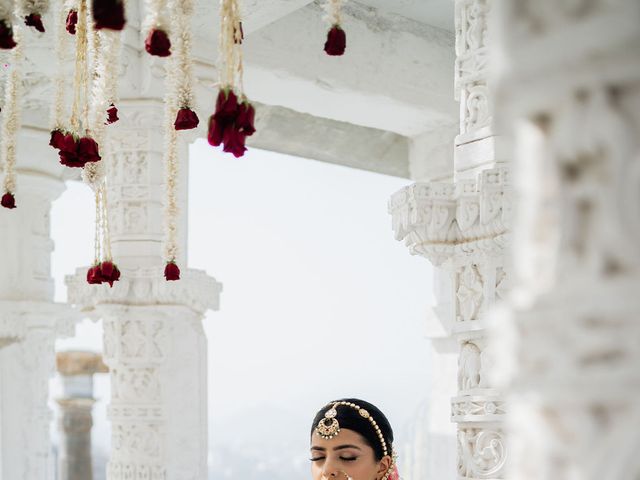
{"type": "Point", "coordinates": [286, 131]}
{"type": "Point", "coordinates": [394, 76]}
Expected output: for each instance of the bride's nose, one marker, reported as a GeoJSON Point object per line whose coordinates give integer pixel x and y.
{"type": "Point", "coordinates": [331, 474]}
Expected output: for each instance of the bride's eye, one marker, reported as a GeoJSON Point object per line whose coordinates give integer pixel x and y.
{"type": "Point", "coordinates": [316, 459]}
{"type": "Point", "coordinates": [348, 459]}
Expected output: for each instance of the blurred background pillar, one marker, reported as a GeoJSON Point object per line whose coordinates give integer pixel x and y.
{"type": "Point", "coordinates": [570, 87]}
{"type": "Point", "coordinates": [76, 370]}
{"type": "Point", "coordinates": [30, 321]}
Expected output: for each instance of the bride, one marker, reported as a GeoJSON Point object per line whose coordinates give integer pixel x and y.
{"type": "Point", "coordinates": [352, 440]}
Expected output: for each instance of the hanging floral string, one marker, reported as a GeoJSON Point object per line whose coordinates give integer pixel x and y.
{"type": "Point", "coordinates": [59, 129]}
{"type": "Point", "coordinates": [154, 26]}
{"type": "Point", "coordinates": [178, 116]}
{"type": "Point", "coordinates": [171, 270]}
{"type": "Point", "coordinates": [103, 47]}
{"type": "Point", "coordinates": [10, 125]}
{"type": "Point", "coordinates": [7, 40]}
{"type": "Point", "coordinates": [32, 11]}
{"type": "Point", "coordinates": [186, 118]}
{"type": "Point", "coordinates": [336, 37]}
{"type": "Point", "coordinates": [233, 119]}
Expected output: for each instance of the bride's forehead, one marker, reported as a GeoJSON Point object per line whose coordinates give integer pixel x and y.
{"type": "Point", "coordinates": [346, 436]}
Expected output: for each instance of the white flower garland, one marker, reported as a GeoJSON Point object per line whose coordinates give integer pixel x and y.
{"type": "Point", "coordinates": [27, 7]}
{"type": "Point", "coordinates": [334, 12]}
{"type": "Point", "coordinates": [58, 111]}
{"type": "Point", "coordinates": [182, 36]}
{"type": "Point", "coordinates": [6, 11]}
{"type": "Point", "coordinates": [11, 116]}
{"type": "Point", "coordinates": [231, 46]}
{"type": "Point", "coordinates": [154, 17]}
{"type": "Point", "coordinates": [178, 94]}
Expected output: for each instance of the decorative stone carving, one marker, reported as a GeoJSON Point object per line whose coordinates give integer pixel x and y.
{"type": "Point", "coordinates": [154, 344]}
{"type": "Point", "coordinates": [471, 64]}
{"type": "Point", "coordinates": [464, 228]}
{"type": "Point", "coordinates": [438, 220]}
{"type": "Point", "coordinates": [570, 344]}
{"type": "Point", "coordinates": [482, 453]}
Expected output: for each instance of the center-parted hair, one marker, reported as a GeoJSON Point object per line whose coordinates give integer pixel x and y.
{"type": "Point", "coordinates": [349, 418]}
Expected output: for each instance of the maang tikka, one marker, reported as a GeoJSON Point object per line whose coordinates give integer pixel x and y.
{"type": "Point", "coordinates": [328, 427]}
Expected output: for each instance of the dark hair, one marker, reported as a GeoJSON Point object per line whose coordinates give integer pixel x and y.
{"type": "Point", "coordinates": [349, 418]}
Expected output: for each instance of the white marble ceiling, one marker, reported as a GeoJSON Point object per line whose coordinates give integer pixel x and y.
{"type": "Point", "coordinates": [437, 13]}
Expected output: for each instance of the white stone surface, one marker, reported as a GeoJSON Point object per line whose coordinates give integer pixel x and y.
{"type": "Point", "coordinates": [570, 343]}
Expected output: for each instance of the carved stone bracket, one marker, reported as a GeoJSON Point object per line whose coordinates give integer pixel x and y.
{"type": "Point", "coordinates": [147, 286]}
{"type": "Point", "coordinates": [440, 221]}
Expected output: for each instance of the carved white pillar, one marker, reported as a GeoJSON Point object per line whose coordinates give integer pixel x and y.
{"type": "Point", "coordinates": [463, 228]}
{"type": "Point", "coordinates": [29, 325]}
{"type": "Point", "coordinates": [574, 340]}
{"type": "Point", "coordinates": [154, 343]}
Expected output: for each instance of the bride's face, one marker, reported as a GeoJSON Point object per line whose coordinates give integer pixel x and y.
{"type": "Point", "coordinates": [347, 453]}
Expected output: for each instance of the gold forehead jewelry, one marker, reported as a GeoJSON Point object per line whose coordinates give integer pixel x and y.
{"type": "Point", "coordinates": [328, 427]}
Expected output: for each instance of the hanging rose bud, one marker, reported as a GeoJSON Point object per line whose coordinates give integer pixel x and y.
{"type": "Point", "coordinates": [57, 137]}
{"type": "Point", "coordinates": [215, 131]}
{"type": "Point", "coordinates": [226, 104]}
{"type": "Point", "coordinates": [108, 14]}
{"type": "Point", "coordinates": [8, 200]}
{"type": "Point", "coordinates": [336, 41]}
{"type": "Point", "coordinates": [72, 21]}
{"type": "Point", "coordinates": [109, 272]}
{"type": "Point", "coordinates": [88, 150]}
{"type": "Point", "coordinates": [246, 117]}
{"type": "Point", "coordinates": [234, 142]}
{"type": "Point", "coordinates": [6, 36]}
{"type": "Point", "coordinates": [186, 119]}
{"type": "Point", "coordinates": [158, 43]}
{"type": "Point", "coordinates": [68, 147]}
{"type": "Point", "coordinates": [171, 271]}
{"type": "Point", "coordinates": [34, 20]}
{"type": "Point", "coordinates": [94, 277]}
{"type": "Point", "coordinates": [112, 115]}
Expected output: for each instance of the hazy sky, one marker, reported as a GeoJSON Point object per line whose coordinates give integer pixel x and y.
{"type": "Point", "coordinates": [319, 301]}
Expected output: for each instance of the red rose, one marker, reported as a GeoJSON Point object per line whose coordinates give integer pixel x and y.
{"type": "Point", "coordinates": [93, 275]}
{"type": "Point", "coordinates": [8, 200]}
{"type": "Point", "coordinates": [6, 36]}
{"type": "Point", "coordinates": [88, 150]}
{"type": "Point", "coordinates": [112, 114]}
{"type": "Point", "coordinates": [171, 271]}
{"type": "Point", "coordinates": [186, 119]}
{"type": "Point", "coordinates": [226, 105]}
{"type": "Point", "coordinates": [158, 43]}
{"type": "Point", "coordinates": [68, 147]}
{"type": "Point", "coordinates": [336, 41]}
{"type": "Point", "coordinates": [233, 141]}
{"type": "Point", "coordinates": [215, 132]}
{"type": "Point", "coordinates": [72, 21]}
{"type": "Point", "coordinates": [34, 20]}
{"type": "Point", "coordinates": [108, 14]}
{"type": "Point", "coordinates": [56, 139]}
{"type": "Point", "coordinates": [246, 117]}
{"type": "Point", "coordinates": [109, 272]}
